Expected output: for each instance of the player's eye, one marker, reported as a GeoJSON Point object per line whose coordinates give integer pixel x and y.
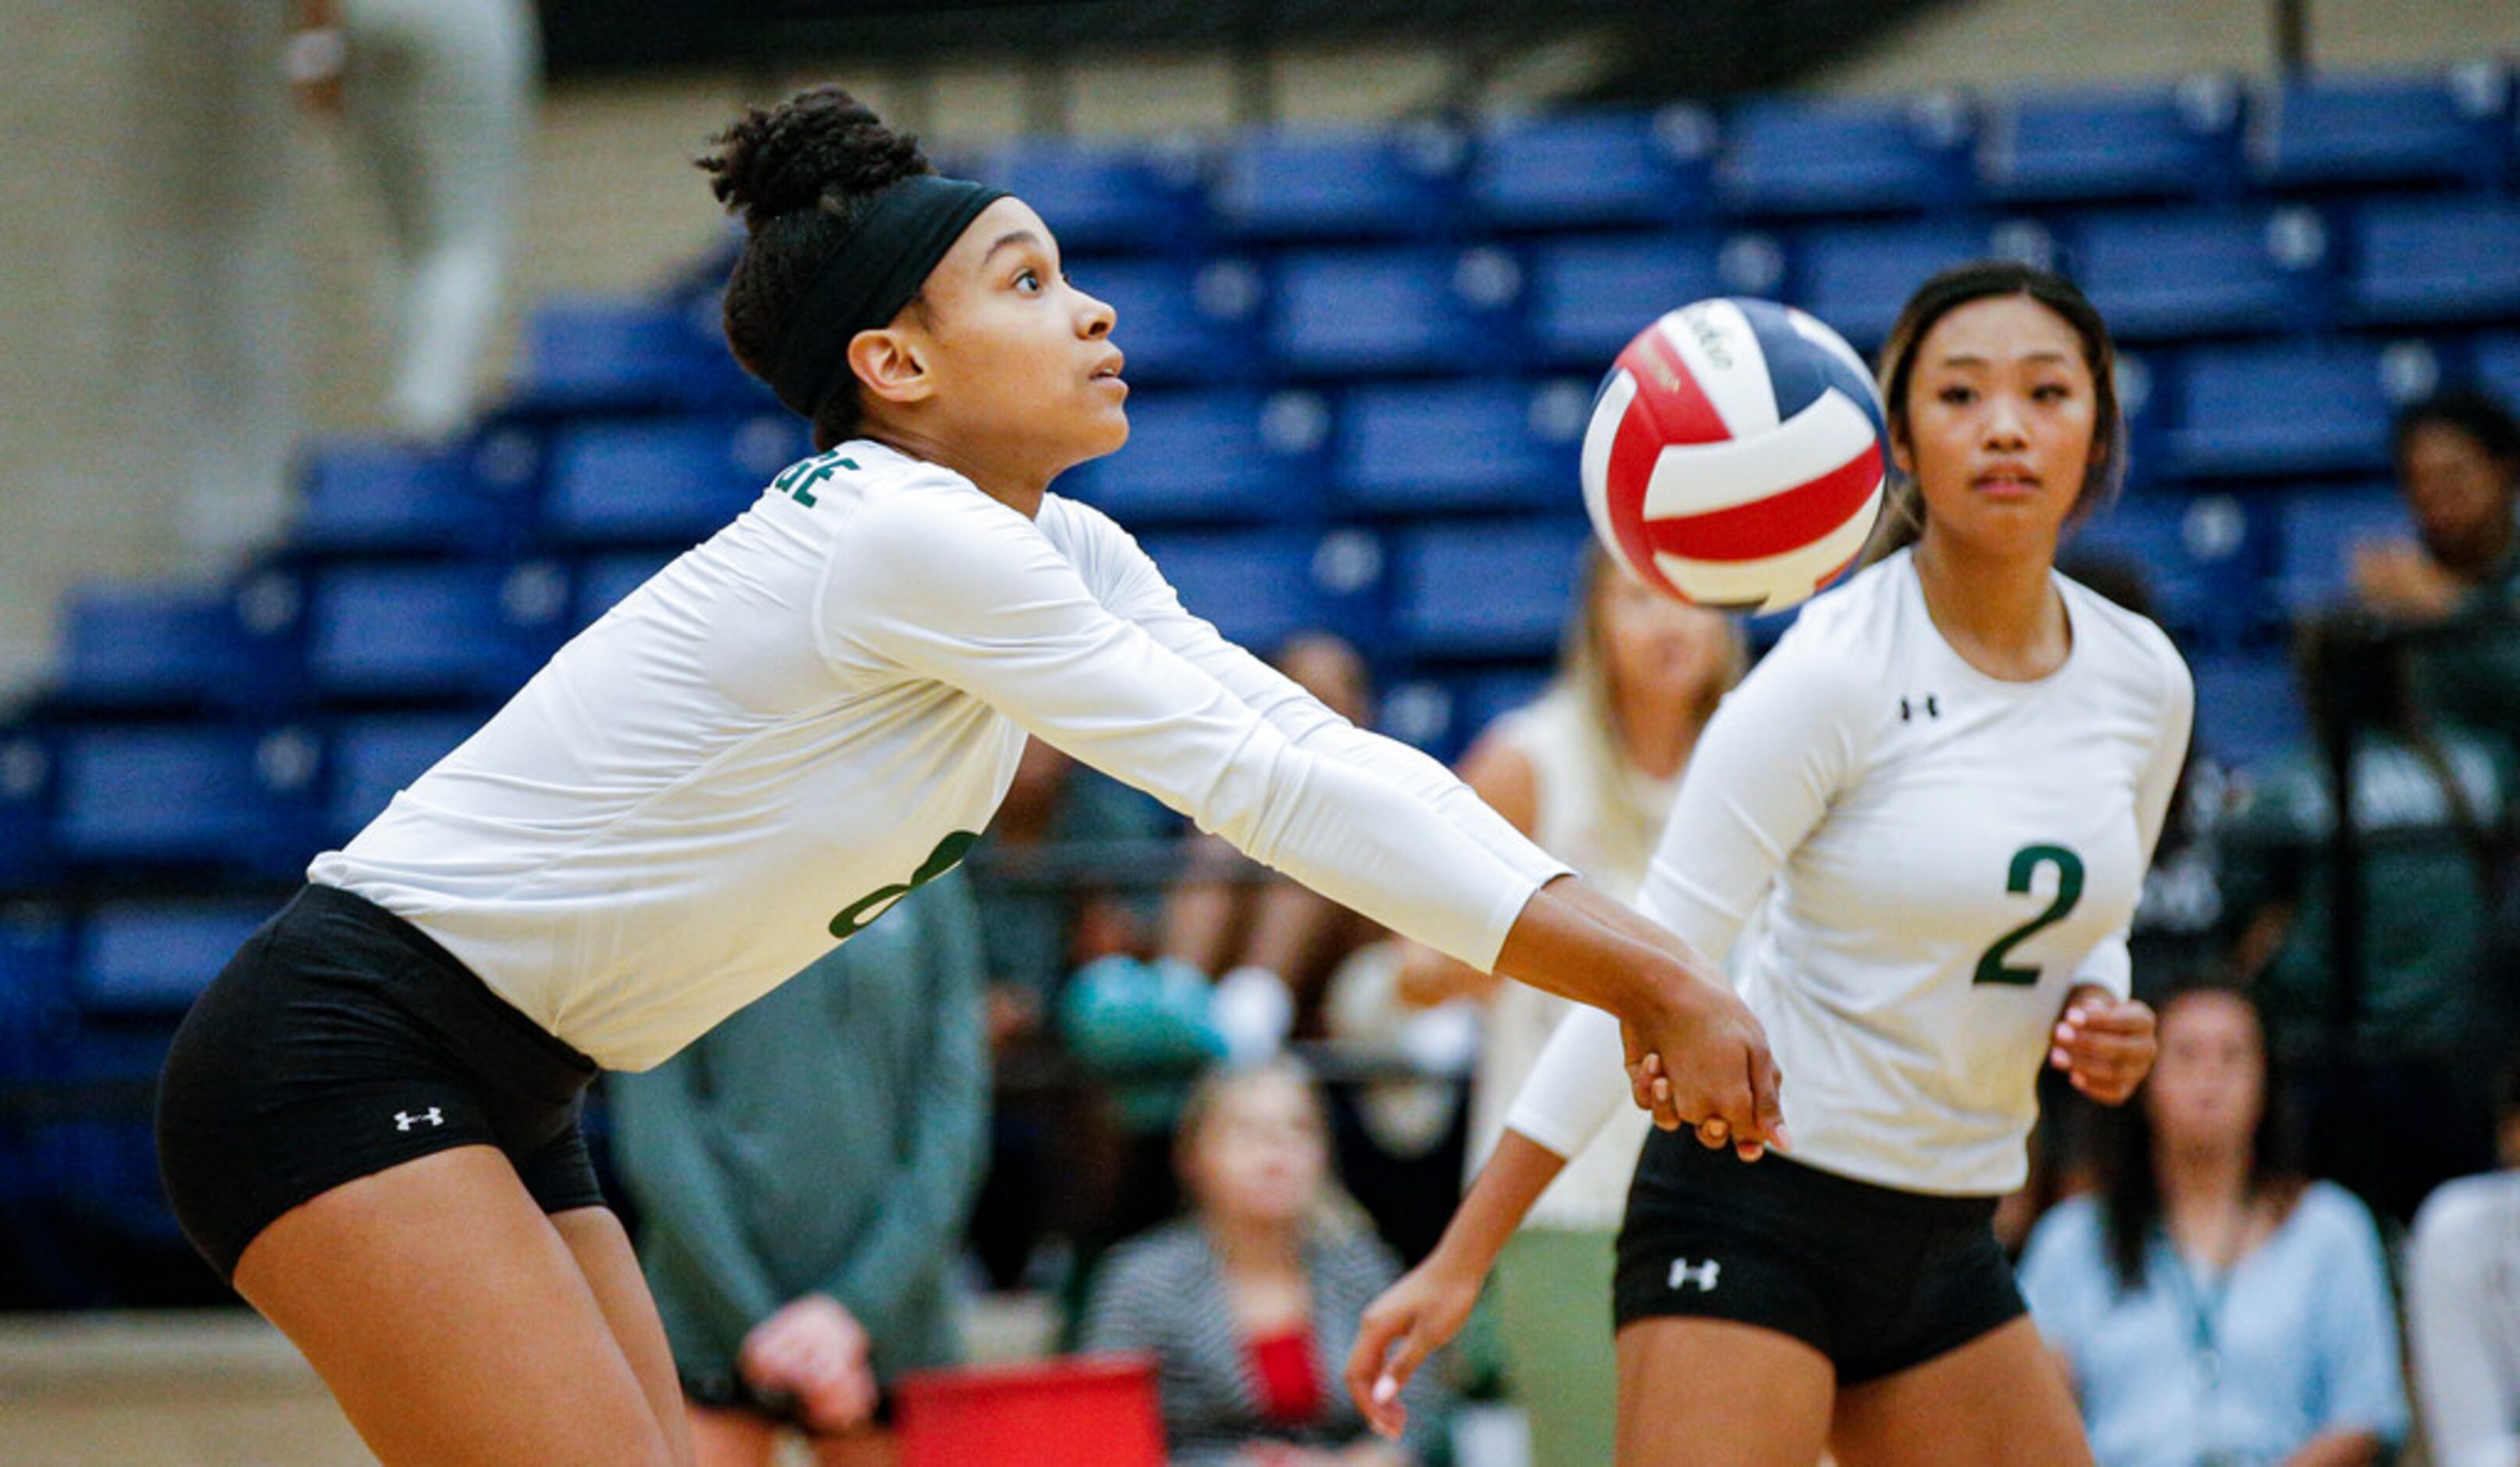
{"type": "Point", "coordinates": [2050, 392]}
{"type": "Point", "coordinates": [1956, 394]}
{"type": "Point", "coordinates": [1029, 281]}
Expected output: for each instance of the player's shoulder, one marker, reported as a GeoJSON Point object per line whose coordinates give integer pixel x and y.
{"type": "Point", "coordinates": [2074, 1225]}
{"type": "Point", "coordinates": [2104, 629]}
{"type": "Point", "coordinates": [1164, 1259]}
{"type": "Point", "coordinates": [1847, 638]}
{"type": "Point", "coordinates": [2333, 1213]}
{"type": "Point", "coordinates": [2463, 1212]}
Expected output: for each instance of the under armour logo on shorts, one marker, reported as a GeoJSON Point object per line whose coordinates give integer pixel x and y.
{"type": "Point", "coordinates": [405, 1120]}
{"type": "Point", "coordinates": [1703, 1275]}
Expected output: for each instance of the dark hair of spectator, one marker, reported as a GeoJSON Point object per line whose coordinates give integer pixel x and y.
{"type": "Point", "coordinates": [2478, 415]}
{"type": "Point", "coordinates": [800, 174]}
{"type": "Point", "coordinates": [2130, 1188]}
{"type": "Point", "coordinates": [1903, 519]}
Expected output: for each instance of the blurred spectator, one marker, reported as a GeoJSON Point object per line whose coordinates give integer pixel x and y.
{"type": "Point", "coordinates": [2463, 1306]}
{"type": "Point", "coordinates": [1589, 771]}
{"type": "Point", "coordinates": [2458, 467]}
{"type": "Point", "coordinates": [2211, 1304]}
{"type": "Point", "coordinates": [438, 95]}
{"type": "Point", "coordinates": [802, 1174]}
{"type": "Point", "coordinates": [1250, 1302]}
{"type": "Point", "coordinates": [2432, 818]}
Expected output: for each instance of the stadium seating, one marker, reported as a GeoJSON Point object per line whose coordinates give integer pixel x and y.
{"type": "Point", "coordinates": [1259, 587]}
{"type": "Point", "coordinates": [2497, 366]}
{"type": "Point", "coordinates": [2335, 131]}
{"type": "Point", "coordinates": [1856, 277]}
{"type": "Point", "coordinates": [1119, 197]}
{"type": "Point", "coordinates": [1180, 321]}
{"type": "Point", "coordinates": [1419, 449]}
{"type": "Point", "coordinates": [1589, 297]}
{"type": "Point", "coordinates": [2247, 709]}
{"type": "Point", "coordinates": [2179, 142]}
{"type": "Point", "coordinates": [2427, 261]}
{"type": "Point", "coordinates": [1576, 170]}
{"type": "Point", "coordinates": [2201, 559]}
{"type": "Point", "coordinates": [603, 580]}
{"type": "Point", "coordinates": [2282, 408]}
{"type": "Point", "coordinates": [613, 355]}
{"type": "Point", "coordinates": [210, 796]}
{"type": "Point", "coordinates": [1339, 183]}
{"type": "Point", "coordinates": [2173, 274]}
{"type": "Point", "coordinates": [663, 482]}
{"type": "Point", "coordinates": [1471, 590]}
{"type": "Point", "coordinates": [1219, 457]}
{"type": "Point", "coordinates": [27, 781]}
{"type": "Point", "coordinates": [1790, 157]}
{"type": "Point", "coordinates": [38, 1015]}
{"type": "Point", "coordinates": [2316, 538]}
{"type": "Point", "coordinates": [140, 958]}
{"type": "Point", "coordinates": [364, 496]}
{"type": "Point", "coordinates": [1367, 312]}
{"type": "Point", "coordinates": [459, 629]}
{"type": "Point", "coordinates": [372, 758]}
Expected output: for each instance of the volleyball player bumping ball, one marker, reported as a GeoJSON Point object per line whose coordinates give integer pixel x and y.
{"type": "Point", "coordinates": [1932, 807]}
{"type": "Point", "coordinates": [368, 1121]}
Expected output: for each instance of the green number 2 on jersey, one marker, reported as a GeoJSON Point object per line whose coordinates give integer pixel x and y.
{"type": "Point", "coordinates": [1991, 969]}
{"type": "Point", "coordinates": [853, 918]}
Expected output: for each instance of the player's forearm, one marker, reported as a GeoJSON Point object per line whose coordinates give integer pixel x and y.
{"type": "Point", "coordinates": [1503, 1194]}
{"type": "Point", "coordinates": [1554, 944]}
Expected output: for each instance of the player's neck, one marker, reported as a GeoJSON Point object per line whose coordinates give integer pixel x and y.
{"type": "Point", "coordinates": [2000, 613]}
{"type": "Point", "coordinates": [1017, 487]}
{"type": "Point", "coordinates": [2201, 1179]}
{"type": "Point", "coordinates": [1657, 730]}
{"type": "Point", "coordinates": [1245, 1246]}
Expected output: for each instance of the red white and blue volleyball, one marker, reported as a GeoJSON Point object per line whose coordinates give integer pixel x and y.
{"type": "Point", "coordinates": [1735, 455]}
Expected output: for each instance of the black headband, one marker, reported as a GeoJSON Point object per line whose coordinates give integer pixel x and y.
{"type": "Point", "coordinates": [871, 275]}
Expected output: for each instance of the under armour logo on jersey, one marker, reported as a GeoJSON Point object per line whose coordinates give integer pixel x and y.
{"type": "Point", "coordinates": [1908, 708]}
{"type": "Point", "coordinates": [1703, 1275]}
{"type": "Point", "coordinates": [405, 1120]}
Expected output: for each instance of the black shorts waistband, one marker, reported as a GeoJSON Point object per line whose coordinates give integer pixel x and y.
{"type": "Point", "coordinates": [1815, 1187]}
{"type": "Point", "coordinates": [530, 1055]}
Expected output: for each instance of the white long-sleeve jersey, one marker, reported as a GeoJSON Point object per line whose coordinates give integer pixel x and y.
{"type": "Point", "coordinates": [799, 719]}
{"type": "Point", "coordinates": [1939, 855]}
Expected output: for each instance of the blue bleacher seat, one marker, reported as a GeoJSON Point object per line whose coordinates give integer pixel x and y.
{"type": "Point", "coordinates": [1856, 277]}
{"type": "Point", "coordinates": [1785, 156]}
{"type": "Point", "coordinates": [190, 795]}
{"type": "Point", "coordinates": [1333, 183]}
{"type": "Point", "coordinates": [2316, 538]}
{"type": "Point", "coordinates": [604, 581]}
{"type": "Point", "coordinates": [1220, 457]}
{"type": "Point", "coordinates": [1124, 197]}
{"type": "Point", "coordinates": [1473, 591]}
{"type": "Point", "coordinates": [2282, 408]}
{"type": "Point", "coordinates": [457, 629]}
{"type": "Point", "coordinates": [2168, 274]}
{"type": "Point", "coordinates": [37, 1014]}
{"type": "Point", "coordinates": [2248, 708]}
{"type": "Point", "coordinates": [1574, 169]}
{"type": "Point", "coordinates": [627, 355]}
{"type": "Point", "coordinates": [27, 783]}
{"type": "Point", "coordinates": [2448, 260]}
{"type": "Point", "coordinates": [2176, 142]}
{"type": "Point", "coordinates": [137, 645]}
{"type": "Point", "coordinates": [2328, 131]}
{"type": "Point", "coordinates": [1589, 297]}
{"type": "Point", "coordinates": [2201, 558]}
{"type": "Point", "coordinates": [1178, 321]}
{"type": "Point", "coordinates": [1258, 586]}
{"type": "Point", "coordinates": [1423, 448]}
{"type": "Point", "coordinates": [2498, 367]}
{"type": "Point", "coordinates": [1367, 311]}
{"type": "Point", "coordinates": [373, 758]}
{"type": "Point", "coordinates": [664, 482]}
{"type": "Point", "coordinates": [155, 957]}
{"type": "Point", "coordinates": [369, 495]}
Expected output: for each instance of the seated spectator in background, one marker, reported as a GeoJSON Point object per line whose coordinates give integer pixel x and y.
{"type": "Point", "coordinates": [1250, 1302]}
{"type": "Point", "coordinates": [1588, 770]}
{"type": "Point", "coordinates": [2210, 1305]}
{"type": "Point", "coordinates": [2459, 468]}
{"type": "Point", "coordinates": [802, 1172]}
{"type": "Point", "coordinates": [2463, 1306]}
{"type": "Point", "coordinates": [2433, 813]}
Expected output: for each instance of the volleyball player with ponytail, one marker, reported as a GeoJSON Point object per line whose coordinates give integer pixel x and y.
{"type": "Point", "coordinates": [368, 1121]}
{"type": "Point", "coordinates": [1932, 806]}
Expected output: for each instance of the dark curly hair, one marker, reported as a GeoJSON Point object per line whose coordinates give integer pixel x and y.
{"type": "Point", "coordinates": [800, 174]}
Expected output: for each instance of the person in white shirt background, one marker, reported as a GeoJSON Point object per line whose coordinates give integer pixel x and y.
{"type": "Point", "coordinates": [1937, 796]}
{"type": "Point", "coordinates": [368, 1123]}
{"type": "Point", "coordinates": [2463, 1304]}
{"type": "Point", "coordinates": [1588, 770]}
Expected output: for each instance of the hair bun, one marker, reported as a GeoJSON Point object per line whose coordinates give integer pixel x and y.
{"type": "Point", "coordinates": [820, 143]}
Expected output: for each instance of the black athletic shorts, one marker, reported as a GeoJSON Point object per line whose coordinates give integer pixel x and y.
{"type": "Point", "coordinates": [339, 1041]}
{"type": "Point", "coordinates": [1874, 1278]}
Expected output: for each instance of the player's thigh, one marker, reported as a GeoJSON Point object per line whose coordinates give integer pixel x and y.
{"type": "Point", "coordinates": [731, 1438]}
{"type": "Point", "coordinates": [602, 1247]}
{"type": "Point", "coordinates": [451, 1320]}
{"type": "Point", "coordinates": [1714, 1393]}
{"type": "Point", "coordinates": [2000, 1398]}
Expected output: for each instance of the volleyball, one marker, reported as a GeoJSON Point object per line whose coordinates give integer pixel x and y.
{"type": "Point", "coordinates": [1735, 455]}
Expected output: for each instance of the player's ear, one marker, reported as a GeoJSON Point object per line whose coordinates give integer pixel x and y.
{"type": "Point", "coordinates": [891, 364]}
{"type": "Point", "coordinates": [1901, 457]}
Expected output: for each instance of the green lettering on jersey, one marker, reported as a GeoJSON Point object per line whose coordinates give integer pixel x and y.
{"type": "Point", "coordinates": [797, 480]}
{"type": "Point", "coordinates": [854, 918]}
{"type": "Point", "coordinates": [1991, 969]}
